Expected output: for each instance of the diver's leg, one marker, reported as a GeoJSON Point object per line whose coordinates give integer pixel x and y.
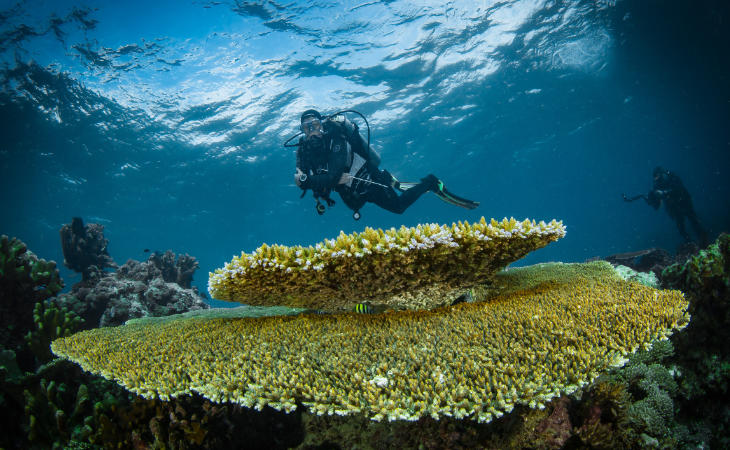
{"type": "Point", "coordinates": [701, 233]}
{"type": "Point", "coordinates": [679, 220]}
{"type": "Point", "coordinates": [388, 199]}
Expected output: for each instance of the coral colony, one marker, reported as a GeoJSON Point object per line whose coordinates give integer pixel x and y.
{"type": "Point", "coordinates": [531, 335]}
{"type": "Point", "coordinates": [409, 268]}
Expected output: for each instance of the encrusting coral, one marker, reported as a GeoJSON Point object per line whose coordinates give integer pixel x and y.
{"type": "Point", "coordinates": [533, 342]}
{"type": "Point", "coordinates": [409, 268]}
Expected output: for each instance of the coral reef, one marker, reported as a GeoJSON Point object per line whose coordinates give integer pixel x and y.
{"type": "Point", "coordinates": [478, 360]}
{"type": "Point", "coordinates": [25, 280]}
{"type": "Point", "coordinates": [175, 269]}
{"type": "Point", "coordinates": [49, 416]}
{"type": "Point", "coordinates": [85, 248]}
{"type": "Point", "coordinates": [51, 322]}
{"type": "Point", "coordinates": [48, 403]}
{"type": "Point", "coordinates": [136, 289]}
{"type": "Point", "coordinates": [192, 422]}
{"type": "Point", "coordinates": [703, 354]}
{"type": "Point", "coordinates": [650, 260]}
{"type": "Point", "coordinates": [408, 268]}
{"type": "Point", "coordinates": [647, 278]}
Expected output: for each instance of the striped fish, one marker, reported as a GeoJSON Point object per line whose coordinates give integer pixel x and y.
{"type": "Point", "coordinates": [364, 308]}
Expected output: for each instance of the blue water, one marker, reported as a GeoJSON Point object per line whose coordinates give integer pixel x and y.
{"type": "Point", "coordinates": [164, 121]}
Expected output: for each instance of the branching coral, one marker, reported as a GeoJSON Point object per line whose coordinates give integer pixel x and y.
{"type": "Point", "coordinates": [25, 280]}
{"type": "Point", "coordinates": [53, 410]}
{"type": "Point", "coordinates": [474, 360]}
{"type": "Point", "coordinates": [398, 268]}
{"type": "Point", "coordinates": [51, 322]}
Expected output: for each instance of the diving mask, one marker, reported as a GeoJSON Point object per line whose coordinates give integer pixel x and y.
{"type": "Point", "coordinates": [311, 126]}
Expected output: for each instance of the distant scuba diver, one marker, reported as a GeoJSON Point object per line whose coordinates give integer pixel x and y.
{"type": "Point", "coordinates": [333, 156]}
{"type": "Point", "coordinates": [668, 187]}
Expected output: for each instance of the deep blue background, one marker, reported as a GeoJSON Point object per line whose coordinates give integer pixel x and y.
{"type": "Point", "coordinates": [538, 138]}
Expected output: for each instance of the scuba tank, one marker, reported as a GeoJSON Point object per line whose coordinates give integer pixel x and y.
{"type": "Point", "coordinates": [371, 156]}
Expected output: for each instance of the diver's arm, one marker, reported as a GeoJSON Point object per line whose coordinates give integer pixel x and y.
{"type": "Point", "coordinates": [330, 177]}
{"type": "Point", "coordinates": [654, 198]}
{"type": "Point", "coordinates": [660, 193]}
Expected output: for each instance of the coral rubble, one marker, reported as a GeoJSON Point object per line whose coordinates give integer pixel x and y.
{"type": "Point", "coordinates": [409, 268]}
{"type": "Point", "coordinates": [551, 330]}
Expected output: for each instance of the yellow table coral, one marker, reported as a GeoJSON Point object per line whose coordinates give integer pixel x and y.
{"type": "Point", "coordinates": [408, 268]}
{"type": "Point", "coordinates": [541, 331]}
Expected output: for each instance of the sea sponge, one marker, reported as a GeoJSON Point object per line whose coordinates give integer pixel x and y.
{"type": "Point", "coordinates": [409, 268]}
{"type": "Point", "coordinates": [536, 341]}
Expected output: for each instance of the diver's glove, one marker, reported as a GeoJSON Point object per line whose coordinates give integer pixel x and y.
{"type": "Point", "coordinates": [300, 178]}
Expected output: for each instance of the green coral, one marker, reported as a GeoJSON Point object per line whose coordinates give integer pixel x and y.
{"type": "Point", "coordinates": [58, 413]}
{"type": "Point", "coordinates": [709, 269]}
{"type": "Point", "coordinates": [25, 281]}
{"type": "Point", "coordinates": [9, 370]}
{"type": "Point", "coordinates": [51, 322]}
{"type": "Point", "coordinates": [645, 407]}
{"type": "Point", "coordinates": [703, 354]}
{"type": "Point", "coordinates": [20, 267]}
{"type": "Point", "coordinates": [10, 252]}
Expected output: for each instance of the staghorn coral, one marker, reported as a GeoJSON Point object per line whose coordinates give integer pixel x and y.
{"type": "Point", "coordinates": [399, 269]}
{"type": "Point", "coordinates": [476, 360]}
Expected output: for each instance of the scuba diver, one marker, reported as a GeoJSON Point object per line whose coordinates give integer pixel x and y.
{"type": "Point", "coordinates": [333, 156]}
{"type": "Point", "coordinates": [668, 187]}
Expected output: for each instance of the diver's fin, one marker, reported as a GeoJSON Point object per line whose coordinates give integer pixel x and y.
{"type": "Point", "coordinates": [442, 193]}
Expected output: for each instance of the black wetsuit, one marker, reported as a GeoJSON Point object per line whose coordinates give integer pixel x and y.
{"type": "Point", "coordinates": [668, 187]}
{"type": "Point", "coordinates": [341, 149]}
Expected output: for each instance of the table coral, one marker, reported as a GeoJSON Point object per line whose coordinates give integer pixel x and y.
{"type": "Point", "coordinates": [550, 332]}
{"type": "Point", "coordinates": [409, 268]}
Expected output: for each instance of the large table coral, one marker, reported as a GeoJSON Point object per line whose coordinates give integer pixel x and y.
{"type": "Point", "coordinates": [542, 331]}
{"type": "Point", "coordinates": [408, 268]}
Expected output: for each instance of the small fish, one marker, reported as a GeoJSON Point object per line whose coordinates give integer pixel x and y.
{"type": "Point", "coordinates": [364, 308]}
{"type": "Point", "coordinates": [146, 250]}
